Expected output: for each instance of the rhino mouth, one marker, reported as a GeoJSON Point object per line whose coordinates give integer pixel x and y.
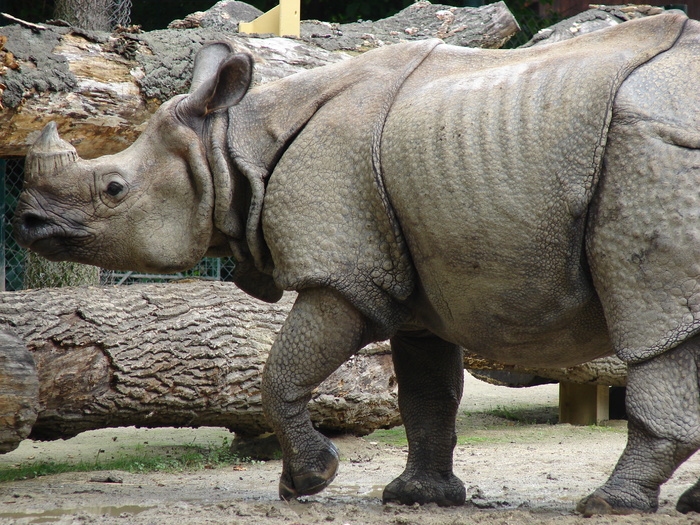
{"type": "Point", "coordinates": [51, 248]}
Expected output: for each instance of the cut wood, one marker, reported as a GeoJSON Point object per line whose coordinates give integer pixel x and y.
{"type": "Point", "coordinates": [609, 371]}
{"type": "Point", "coordinates": [489, 26]}
{"type": "Point", "coordinates": [19, 389]}
{"type": "Point", "coordinates": [101, 88]}
{"type": "Point", "coordinates": [178, 354]}
{"type": "Point", "coordinates": [181, 354]}
{"type": "Point", "coordinates": [596, 18]}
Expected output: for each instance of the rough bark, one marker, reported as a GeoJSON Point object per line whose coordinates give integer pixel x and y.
{"type": "Point", "coordinates": [609, 371]}
{"type": "Point", "coordinates": [184, 354]}
{"type": "Point", "coordinates": [181, 354]}
{"type": "Point", "coordinates": [490, 26]}
{"type": "Point", "coordinates": [596, 18]}
{"type": "Point", "coordinates": [19, 388]}
{"type": "Point", "coordinates": [101, 88]}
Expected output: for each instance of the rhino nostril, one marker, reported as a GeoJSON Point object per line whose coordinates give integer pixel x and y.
{"type": "Point", "coordinates": [33, 221]}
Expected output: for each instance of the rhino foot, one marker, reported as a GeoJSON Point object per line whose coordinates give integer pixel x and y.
{"type": "Point", "coordinates": [598, 503]}
{"type": "Point", "coordinates": [689, 500]}
{"type": "Point", "coordinates": [302, 481]}
{"type": "Point", "coordinates": [446, 491]}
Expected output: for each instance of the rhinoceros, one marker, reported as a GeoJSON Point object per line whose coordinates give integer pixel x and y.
{"type": "Point", "coordinates": [537, 206]}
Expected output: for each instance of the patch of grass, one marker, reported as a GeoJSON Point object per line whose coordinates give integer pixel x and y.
{"type": "Point", "coordinates": [469, 440]}
{"type": "Point", "coordinates": [396, 437]}
{"type": "Point", "coordinates": [619, 429]}
{"type": "Point", "coordinates": [527, 415]}
{"type": "Point", "coordinates": [513, 416]}
{"type": "Point", "coordinates": [188, 457]}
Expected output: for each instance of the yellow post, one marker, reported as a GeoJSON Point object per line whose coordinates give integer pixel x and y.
{"type": "Point", "coordinates": [583, 404]}
{"type": "Point", "coordinates": [282, 20]}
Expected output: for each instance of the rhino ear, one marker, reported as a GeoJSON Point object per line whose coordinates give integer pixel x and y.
{"type": "Point", "coordinates": [224, 86]}
{"type": "Point", "coordinates": [207, 62]}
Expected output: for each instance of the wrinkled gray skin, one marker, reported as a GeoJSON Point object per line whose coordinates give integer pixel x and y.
{"type": "Point", "coordinates": [539, 207]}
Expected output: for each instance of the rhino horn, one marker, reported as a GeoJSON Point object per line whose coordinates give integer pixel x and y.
{"type": "Point", "coordinates": [49, 153]}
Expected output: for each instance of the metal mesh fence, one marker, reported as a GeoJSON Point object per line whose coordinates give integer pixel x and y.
{"type": "Point", "coordinates": [207, 268]}
{"type": "Point", "coordinates": [13, 257]}
{"type": "Point", "coordinates": [17, 266]}
{"type": "Point", "coordinates": [121, 13]}
{"type": "Point", "coordinates": [99, 15]}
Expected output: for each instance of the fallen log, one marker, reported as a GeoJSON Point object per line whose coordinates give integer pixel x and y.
{"type": "Point", "coordinates": [181, 354]}
{"type": "Point", "coordinates": [594, 19]}
{"type": "Point", "coordinates": [489, 26]}
{"type": "Point", "coordinates": [609, 371]}
{"type": "Point", "coordinates": [185, 354]}
{"type": "Point", "coordinates": [19, 389]}
{"type": "Point", "coordinates": [101, 88]}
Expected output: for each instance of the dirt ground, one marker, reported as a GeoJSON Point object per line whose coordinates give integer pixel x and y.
{"type": "Point", "coordinates": [515, 474]}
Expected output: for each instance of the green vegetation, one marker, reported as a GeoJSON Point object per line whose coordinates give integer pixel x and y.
{"type": "Point", "coordinates": [396, 437]}
{"type": "Point", "coordinates": [527, 415]}
{"type": "Point", "coordinates": [504, 424]}
{"type": "Point", "coordinates": [180, 458]}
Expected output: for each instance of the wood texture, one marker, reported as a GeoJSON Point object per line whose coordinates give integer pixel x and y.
{"type": "Point", "coordinates": [609, 371]}
{"type": "Point", "coordinates": [185, 354]}
{"type": "Point", "coordinates": [19, 388]}
{"type": "Point", "coordinates": [112, 84]}
{"type": "Point", "coordinates": [181, 354]}
{"type": "Point", "coordinates": [101, 88]}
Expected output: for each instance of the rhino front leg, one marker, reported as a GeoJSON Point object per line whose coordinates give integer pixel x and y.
{"type": "Point", "coordinates": [430, 374]}
{"type": "Point", "coordinates": [663, 405]}
{"type": "Point", "coordinates": [321, 332]}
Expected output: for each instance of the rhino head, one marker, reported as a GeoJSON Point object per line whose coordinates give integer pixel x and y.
{"type": "Point", "coordinates": [148, 208]}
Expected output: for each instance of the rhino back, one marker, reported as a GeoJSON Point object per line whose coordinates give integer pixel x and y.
{"type": "Point", "coordinates": [644, 240]}
{"type": "Point", "coordinates": [490, 160]}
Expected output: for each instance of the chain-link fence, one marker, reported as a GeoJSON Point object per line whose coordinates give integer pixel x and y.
{"type": "Point", "coordinates": [18, 269]}
{"type": "Point", "coordinates": [12, 257]}
{"type": "Point", "coordinates": [97, 15]}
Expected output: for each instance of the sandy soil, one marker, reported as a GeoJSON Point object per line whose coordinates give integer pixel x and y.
{"type": "Point", "coordinates": [515, 474]}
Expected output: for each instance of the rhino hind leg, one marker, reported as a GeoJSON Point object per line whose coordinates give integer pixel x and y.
{"type": "Point", "coordinates": [321, 332]}
{"type": "Point", "coordinates": [430, 377]}
{"type": "Point", "coordinates": [663, 405]}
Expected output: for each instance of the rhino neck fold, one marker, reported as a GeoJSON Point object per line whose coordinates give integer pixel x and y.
{"type": "Point", "coordinates": [312, 145]}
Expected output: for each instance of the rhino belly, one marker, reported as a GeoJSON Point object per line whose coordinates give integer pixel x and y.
{"type": "Point", "coordinates": [496, 245]}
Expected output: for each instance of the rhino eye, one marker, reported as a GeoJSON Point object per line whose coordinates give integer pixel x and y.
{"type": "Point", "coordinates": [114, 188]}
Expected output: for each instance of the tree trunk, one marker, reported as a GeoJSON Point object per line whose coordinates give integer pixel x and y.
{"type": "Point", "coordinates": [101, 88]}
{"type": "Point", "coordinates": [185, 354]}
{"type": "Point", "coordinates": [181, 354]}
{"type": "Point", "coordinates": [19, 389]}
{"type": "Point", "coordinates": [609, 371]}
{"type": "Point", "coordinates": [596, 18]}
